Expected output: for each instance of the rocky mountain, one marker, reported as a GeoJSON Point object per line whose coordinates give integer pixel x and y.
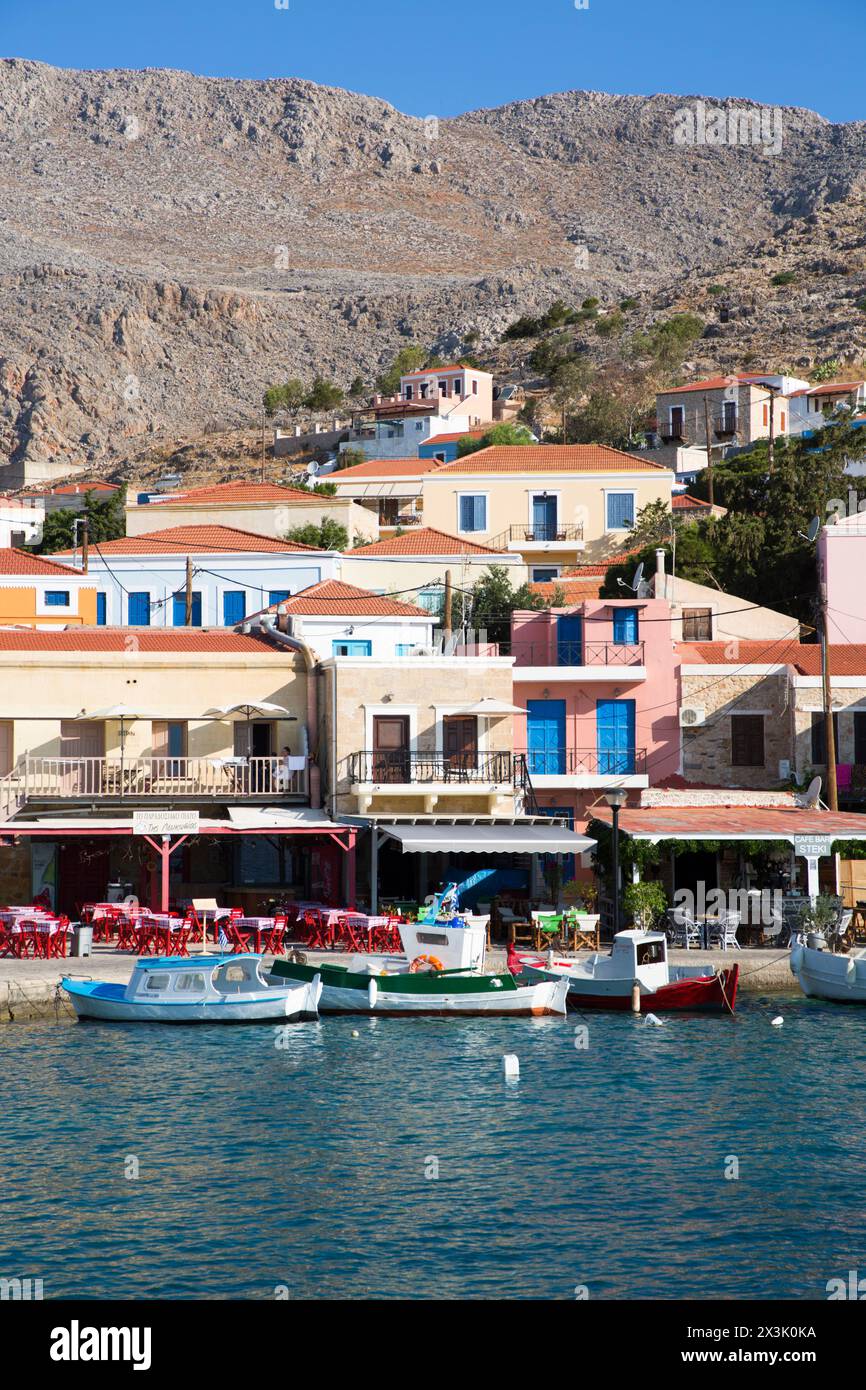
{"type": "Point", "coordinates": [170, 244]}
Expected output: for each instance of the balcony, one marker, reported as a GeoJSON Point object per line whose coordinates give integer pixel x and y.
{"type": "Point", "coordinates": [725, 426]}
{"type": "Point", "coordinates": [547, 537]}
{"type": "Point", "coordinates": [586, 767]}
{"type": "Point", "coordinates": [429, 775]}
{"type": "Point", "coordinates": [587, 661]}
{"type": "Point", "coordinates": [673, 432]}
{"type": "Point", "coordinates": [147, 780]}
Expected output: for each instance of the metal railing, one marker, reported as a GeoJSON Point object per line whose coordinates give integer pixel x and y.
{"type": "Point", "coordinates": [555, 653]}
{"type": "Point", "coordinates": [398, 767]}
{"type": "Point", "coordinates": [113, 778]}
{"type": "Point", "coordinates": [543, 532]}
{"type": "Point", "coordinates": [585, 762]}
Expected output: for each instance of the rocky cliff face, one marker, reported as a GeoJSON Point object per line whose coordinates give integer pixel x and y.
{"type": "Point", "coordinates": [170, 244]}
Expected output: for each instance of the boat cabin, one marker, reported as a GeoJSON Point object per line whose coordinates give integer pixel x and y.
{"type": "Point", "coordinates": [641, 955]}
{"type": "Point", "coordinates": [168, 977]}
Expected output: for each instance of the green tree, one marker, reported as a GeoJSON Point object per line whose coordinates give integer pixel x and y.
{"type": "Point", "coordinates": [652, 525]}
{"type": "Point", "coordinates": [408, 359]}
{"type": "Point", "coordinates": [493, 601]}
{"type": "Point", "coordinates": [569, 385]}
{"type": "Point", "coordinates": [324, 395]}
{"type": "Point", "coordinates": [357, 389]}
{"type": "Point", "coordinates": [326, 534]}
{"type": "Point", "coordinates": [290, 397]}
{"type": "Point", "coordinates": [507, 432]}
{"type": "Point", "coordinates": [106, 522]}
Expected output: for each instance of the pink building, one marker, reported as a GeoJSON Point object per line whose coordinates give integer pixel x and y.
{"type": "Point", "coordinates": [600, 684]}
{"type": "Point", "coordinates": [842, 565]}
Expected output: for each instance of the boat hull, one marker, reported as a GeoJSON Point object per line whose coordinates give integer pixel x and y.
{"type": "Point", "coordinates": [432, 995]}
{"type": "Point", "coordinates": [693, 994]}
{"type": "Point", "coordinates": [821, 975]}
{"type": "Point", "coordinates": [106, 1002]}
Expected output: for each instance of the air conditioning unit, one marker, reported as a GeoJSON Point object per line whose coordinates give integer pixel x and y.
{"type": "Point", "coordinates": [784, 769]}
{"type": "Point", "coordinates": [691, 716]}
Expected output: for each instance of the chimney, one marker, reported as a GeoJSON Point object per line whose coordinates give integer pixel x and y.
{"type": "Point", "coordinates": [661, 578]}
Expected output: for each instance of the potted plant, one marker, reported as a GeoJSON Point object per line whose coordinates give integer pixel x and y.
{"type": "Point", "coordinates": [646, 903]}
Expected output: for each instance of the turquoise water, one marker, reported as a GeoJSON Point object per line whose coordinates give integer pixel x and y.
{"type": "Point", "coordinates": [305, 1167]}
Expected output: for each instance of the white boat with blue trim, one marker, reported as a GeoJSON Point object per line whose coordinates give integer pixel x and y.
{"type": "Point", "coordinates": [203, 989]}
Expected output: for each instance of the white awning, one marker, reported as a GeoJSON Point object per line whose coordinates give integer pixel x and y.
{"type": "Point", "coordinates": [489, 708]}
{"type": "Point", "coordinates": [487, 839]}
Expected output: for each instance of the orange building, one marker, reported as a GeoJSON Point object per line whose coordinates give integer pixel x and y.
{"type": "Point", "coordinates": [37, 592]}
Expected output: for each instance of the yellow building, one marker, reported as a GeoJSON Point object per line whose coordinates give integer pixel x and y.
{"type": "Point", "coordinates": [37, 592]}
{"type": "Point", "coordinates": [266, 509]}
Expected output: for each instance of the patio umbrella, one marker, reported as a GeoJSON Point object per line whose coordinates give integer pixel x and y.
{"type": "Point", "coordinates": [489, 708]}
{"type": "Point", "coordinates": [250, 708]}
{"type": "Point", "coordinates": [124, 714]}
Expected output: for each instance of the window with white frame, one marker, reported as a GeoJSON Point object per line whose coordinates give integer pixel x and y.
{"type": "Point", "coordinates": [472, 511]}
{"type": "Point", "coordinates": [620, 511]}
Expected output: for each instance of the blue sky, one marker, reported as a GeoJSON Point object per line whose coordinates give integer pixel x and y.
{"type": "Point", "coordinates": [442, 59]}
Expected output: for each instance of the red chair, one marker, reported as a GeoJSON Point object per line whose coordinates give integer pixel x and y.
{"type": "Point", "coordinates": [178, 942]}
{"type": "Point", "coordinates": [352, 934]}
{"type": "Point", "coordinates": [240, 943]}
{"type": "Point", "coordinates": [272, 944]}
{"type": "Point", "coordinates": [6, 942]}
{"type": "Point", "coordinates": [194, 924]}
{"type": "Point", "coordinates": [57, 941]}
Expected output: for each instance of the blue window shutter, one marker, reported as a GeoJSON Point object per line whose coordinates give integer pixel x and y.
{"type": "Point", "coordinates": [615, 734]}
{"type": "Point", "coordinates": [352, 648]}
{"type": "Point", "coordinates": [179, 610]}
{"type": "Point", "coordinates": [473, 513]}
{"type": "Point", "coordinates": [139, 610]}
{"type": "Point", "coordinates": [620, 511]}
{"type": "Point", "coordinates": [234, 607]}
{"type": "Point", "coordinates": [569, 640]}
{"type": "Point", "coordinates": [101, 610]}
{"type": "Point", "coordinates": [545, 736]}
{"type": "Point", "coordinates": [625, 625]}
{"type": "Point", "coordinates": [57, 598]}
{"type": "Point", "coordinates": [278, 596]}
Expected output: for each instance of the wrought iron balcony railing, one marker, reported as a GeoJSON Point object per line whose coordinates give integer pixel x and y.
{"type": "Point", "coordinates": [574, 653]}
{"type": "Point", "coordinates": [542, 532]}
{"type": "Point", "coordinates": [585, 762]}
{"type": "Point", "coordinates": [399, 767]}
{"type": "Point", "coordinates": [157, 779]}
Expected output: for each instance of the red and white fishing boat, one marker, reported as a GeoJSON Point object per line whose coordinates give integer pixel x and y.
{"type": "Point", "coordinates": [638, 958]}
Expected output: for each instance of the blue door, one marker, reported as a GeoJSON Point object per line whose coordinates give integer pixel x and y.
{"type": "Point", "coordinates": [179, 614]}
{"type": "Point", "coordinates": [625, 627]}
{"type": "Point", "coordinates": [545, 736]}
{"type": "Point", "coordinates": [101, 610]}
{"type": "Point", "coordinates": [234, 607]}
{"type": "Point", "coordinates": [139, 610]}
{"type": "Point", "coordinates": [544, 518]}
{"type": "Point", "coordinates": [568, 860]}
{"type": "Point", "coordinates": [615, 734]}
{"type": "Point", "coordinates": [569, 640]}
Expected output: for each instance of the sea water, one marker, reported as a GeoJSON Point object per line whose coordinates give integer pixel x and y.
{"type": "Point", "coordinates": [710, 1158]}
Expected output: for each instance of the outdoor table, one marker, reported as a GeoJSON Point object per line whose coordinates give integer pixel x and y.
{"type": "Point", "coordinates": [254, 928]}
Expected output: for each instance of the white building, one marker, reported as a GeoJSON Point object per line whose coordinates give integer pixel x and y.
{"type": "Point", "coordinates": [143, 578]}
{"type": "Point", "coordinates": [336, 619]}
{"type": "Point", "coordinates": [431, 402]}
{"type": "Point", "coordinates": [21, 521]}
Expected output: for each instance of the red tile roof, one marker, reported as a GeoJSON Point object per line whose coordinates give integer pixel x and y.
{"type": "Point", "coordinates": [384, 468]}
{"type": "Point", "coordinates": [828, 388]}
{"type": "Point", "coordinates": [432, 371]}
{"type": "Point", "coordinates": [238, 493]}
{"type": "Point", "coordinates": [421, 540]}
{"type": "Point", "coordinates": [683, 501]}
{"type": "Point", "coordinates": [743, 822]}
{"type": "Point", "coordinates": [331, 598]}
{"type": "Point", "coordinates": [805, 657]}
{"type": "Point", "coordinates": [120, 639]}
{"type": "Point", "coordinates": [716, 383]}
{"type": "Point", "coordinates": [183, 540]}
{"type": "Point", "coordinates": [15, 562]}
{"type": "Point", "coordinates": [575, 590]}
{"type": "Point", "coordinates": [550, 458]}
{"type": "Point", "coordinates": [96, 485]}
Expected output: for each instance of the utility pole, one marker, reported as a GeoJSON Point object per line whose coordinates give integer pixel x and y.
{"type": "Point", "coordinates": [709, 452]}
{"type": "Point", "coordinates": [829, 730]}
{"type": "Point", "coordinates": [446, 621]}
{"type": "Point", "coordinates": [771, 447]}
{"type": "Point", "coordinates": [85, 540]}
{"type": "Point", "coordinates": [263, 444]}
{"type": "Point", "coordinates": [188, 591]}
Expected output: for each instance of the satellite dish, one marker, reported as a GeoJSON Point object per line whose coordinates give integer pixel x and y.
{"type": "Point", "coordinates": [644, 590]}
{"type": "Point", "coordinates": [637, 577]}
{"type": "Point", "coordinates": [810, 797]}
{"type": "Point", "coordinates": [814, 527]}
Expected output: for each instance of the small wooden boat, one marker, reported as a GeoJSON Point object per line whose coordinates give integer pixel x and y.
{"type": "Point", "coordinates": [606, 981]}
{"type": "Point", "coordinates": [202, 989]}
{"type": "Point", "coordinates": [374, 987]}
{"type": "Point", "coordinates": [823, 975]}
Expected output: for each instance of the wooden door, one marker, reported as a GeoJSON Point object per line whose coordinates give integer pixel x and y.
{"type": "Point", "coordinates": [391, 760]}
{"type": "Point", "coordinates": [460, 742]}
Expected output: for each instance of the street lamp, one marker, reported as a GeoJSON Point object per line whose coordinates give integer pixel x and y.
{"type": "Point", "coordinates": [616, 798]}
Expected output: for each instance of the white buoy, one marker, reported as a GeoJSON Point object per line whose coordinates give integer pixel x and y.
{"type": "Point", "coordinates": [355, 1033]}
{"type": "Point", "coordinates": [511, 1066]}
{"type": "Point", "coordinates": [372, 994]}
{"type": "Point", "coordinates": [635, 997]}
{"type": "Point", "coordinates": [652, 1018]}
{"type": "Point", "coordinates": [777, 1021]}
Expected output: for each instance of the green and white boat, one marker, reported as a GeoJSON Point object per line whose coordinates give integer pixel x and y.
{"type": "Point", "coordinates": [373, 987]}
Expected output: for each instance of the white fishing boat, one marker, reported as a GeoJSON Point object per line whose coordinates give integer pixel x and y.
{"type": "Point", "coordinates": [204, 989]}
{"type": "Point", "coordinates": [823, 975]}
{"type": "Point", "coordinates": [638, 958]}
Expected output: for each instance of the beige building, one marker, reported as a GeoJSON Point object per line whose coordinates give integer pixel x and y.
{"type": "Point", "coordinates": [735, 409]}
{"type": "Point", "coordinates": [704, 614]}
{"type": "Point", "coordinates": [263, 508]}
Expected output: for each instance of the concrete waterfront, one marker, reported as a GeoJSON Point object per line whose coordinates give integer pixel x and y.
{"type": "Point", "coordinates": [30, 989]}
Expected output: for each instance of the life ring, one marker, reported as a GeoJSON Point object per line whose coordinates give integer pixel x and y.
{"type": "Point", "coordinates": [420, 961]}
